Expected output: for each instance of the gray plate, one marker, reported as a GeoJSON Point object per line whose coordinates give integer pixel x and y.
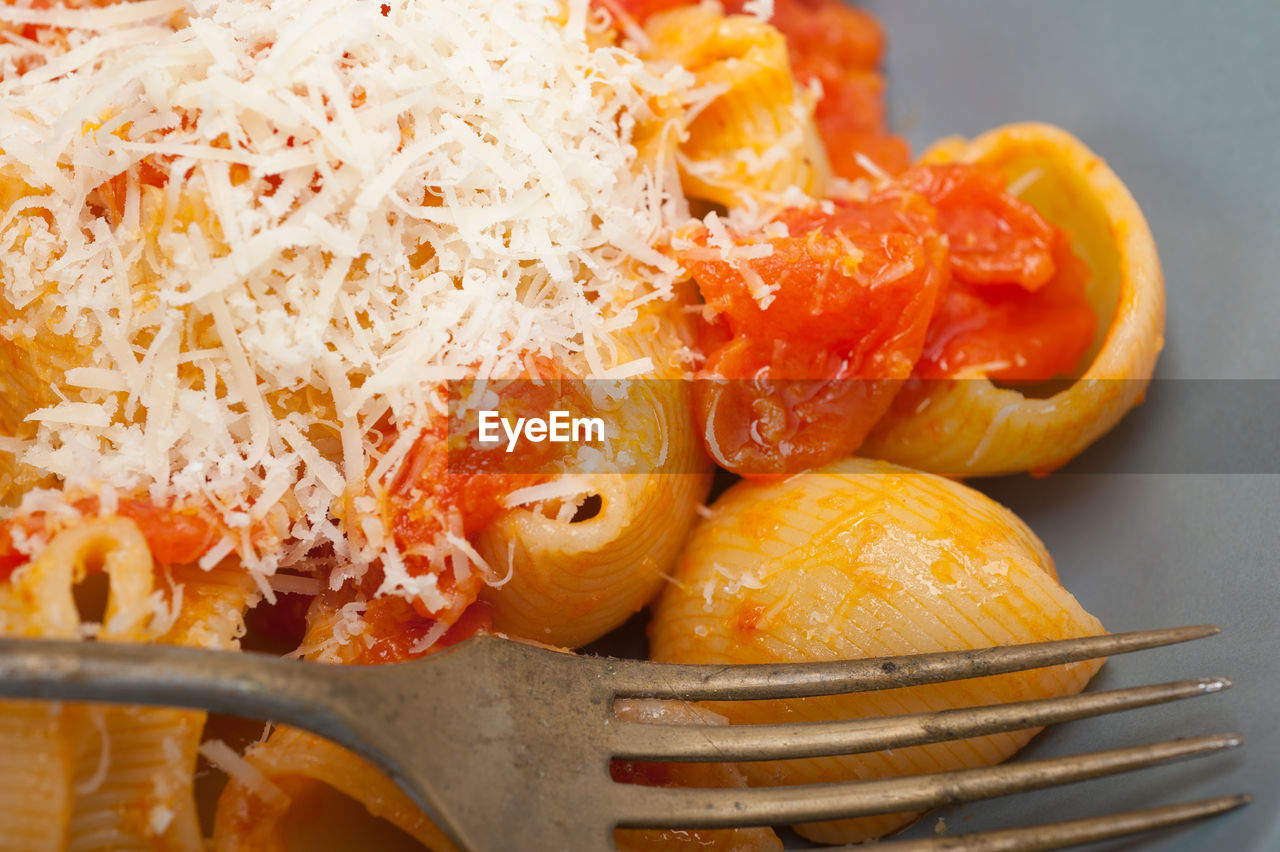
{"type": "Point", "coordinates": [1179, 524]}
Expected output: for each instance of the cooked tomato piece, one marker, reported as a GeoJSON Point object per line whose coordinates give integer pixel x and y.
{"type": "Point", "coordinates": [174, 536]}
{"type": "Point", "coordinates": [827, 30]}
{"type": "Point", "coordinates": [10, 557]}
{"type": "Point", "coordinates": [851, 121]}
{"type": "Point", "coordinates": [114, 190]}
{"type": "Point", "coordinates": [841, 48]}
{"type": "Point", "coordinates": [840, 276]}
{"type": "Point", "coordinates": [995, 237]}
{"type": "Point", "coordinates": [1005, 332]}
{"type": "Point", "coordinates": [392, 627]}
{"type": "Point", "coordinates": [448, 478]}
{"type": "Point", "coordinates": [768, 426]}
{"type": "Point", "coordinates": [820, 330]}
{"type": "Point", "coordinates": [477, 620]}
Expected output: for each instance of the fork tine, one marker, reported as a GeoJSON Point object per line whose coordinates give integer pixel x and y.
{"type": "Point", "coordinates": [693, 742]}
{"type": "Point", "coordinates": [658, 807]}
{"type": "Point", "coordinates": [795, 680]}
{"type": "Point", "coordinates": [1061, 835]}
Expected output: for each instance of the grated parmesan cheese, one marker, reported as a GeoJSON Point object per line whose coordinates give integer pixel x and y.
{"type": "Point", "coordinates": [94, 781]}
{"type": "Point", "coordinates": [292, 584]}
{"type": "Point", "coordinates": [556, 489]}
{"type": "Point", "coordinates": [359, 206]}
{"type": "Point", "coordinates": [762, 9]}
{"type": "Point", "coordinates": [159, 818]}
{"type": "Point", "coordinates": [1024, 181]}
{"type": "Point", "coordinates": [224, 757]}
{"type": "Point", "coordinates": [737, 581]}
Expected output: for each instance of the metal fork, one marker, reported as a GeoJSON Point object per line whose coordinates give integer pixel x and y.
{"type": "Point", "coordinates": [507, 745]}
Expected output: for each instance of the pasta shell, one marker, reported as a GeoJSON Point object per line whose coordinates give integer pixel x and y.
{"type": "Point", "coordinates": [571, 579]}
{"type": "Point", "coordinates": [971, 427]}
{"type": "Point", "coordinates": [755, 134]}
{"type": "Point", "coordinates": [283, 787]}
{"type": "Point", "coordinates": [35, 782]}
{"type": "Point", "coordinates": [686, 775]}
{"type": "Point", "coordinates": [863, 559]}
{"type": "Point", "coordinates": [97, 777]}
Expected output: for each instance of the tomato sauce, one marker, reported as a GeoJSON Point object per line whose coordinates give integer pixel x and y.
{"type": "Point", "coordinates": [798, 378]}
{"type": "Point", "coordinates": [1017, 309]}
{"type": "Point", "coordinates": [994, 237]}
{"type": "Point", "coordinates": [11, 558]}
{"type": "Point", "coordinates": [174, 535]}
{"type": "Point", "coordinates": [448, 484]}
{"type": "Point", "coordinates": [112, 192]}
{"type": "Point", "coordinates": [394, 627]}
{"type": "Point", "coordinates": [1009, 333]}
{"type": "Point", "coordinates": [940, 274]}
{"type": "Point", "coordinates": [840, 48]}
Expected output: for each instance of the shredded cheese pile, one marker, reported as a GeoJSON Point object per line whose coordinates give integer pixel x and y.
{"type": "Point", "coordinates": [362, 201]}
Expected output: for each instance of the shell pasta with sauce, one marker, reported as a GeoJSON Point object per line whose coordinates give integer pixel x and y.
{"type": "Point", "coordinates": [866, 559]}
{"type": "Point", "coordinates": [248, 251]}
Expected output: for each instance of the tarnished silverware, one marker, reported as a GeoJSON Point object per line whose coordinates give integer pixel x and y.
{"type": "Point", "coordinates": [491, 734]}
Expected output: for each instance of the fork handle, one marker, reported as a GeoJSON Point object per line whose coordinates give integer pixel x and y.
{"type": "Point", "coordinates": [243, 684]}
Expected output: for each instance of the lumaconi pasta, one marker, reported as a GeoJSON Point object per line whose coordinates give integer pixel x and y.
{"type": "Point", "coordinates": [266, 807]}
{"type": "Point", "coordinates": [570, 580]}
{"type": "Point", "coordinates": [970, 426]}
{"type": "Point", "coordinates": [684, 775]}
{"type": "Point", "coordinates": [752, 137]}
{"type": "Point", "coordinates": [247, 252]}
{"type": "Point", "coordinates": [284, 779]}
{"type": "Point", "coordinates": [866, 559]}
{"type": "Point", "coordinates": [110, 777]}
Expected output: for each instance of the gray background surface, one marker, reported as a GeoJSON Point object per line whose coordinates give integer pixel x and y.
{"type": "Point", "coordinates": [1183, 98]}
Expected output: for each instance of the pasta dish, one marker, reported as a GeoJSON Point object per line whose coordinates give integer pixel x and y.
{"type": "Point", "coordinates": [253, 255]}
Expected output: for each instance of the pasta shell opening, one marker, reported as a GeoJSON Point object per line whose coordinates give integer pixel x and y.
{"type": "Point", "coordinates": [975, 427]}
